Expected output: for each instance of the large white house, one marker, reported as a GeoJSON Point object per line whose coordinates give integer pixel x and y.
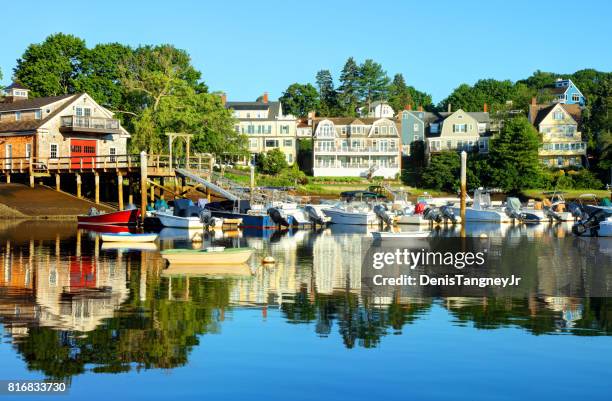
{"type": "Point", "coordinates": [265, 125]}
{"type": "Point", "coordinates": [358, 147]}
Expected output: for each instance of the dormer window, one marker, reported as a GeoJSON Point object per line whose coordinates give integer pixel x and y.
{"type": "Point", "coordinates": [17, 116]}
{"type": "Point", "coordinates": [575, 97]}
{"type": "Point", "coordinates": [558, 115]}
{"type": "Point", "coordinates": [38, 114]}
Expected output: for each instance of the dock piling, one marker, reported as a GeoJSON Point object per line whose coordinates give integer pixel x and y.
{"type": "Point", "coordinates": [97, 189]}
{"type": "Point", "coordinates": [120, 190]}
{"type": "Point", "coordinates": [463, 185]}
{"type": "Point", "coordinates": [143, 185]}
{"type": "Point", "coordinates": [78, 184]}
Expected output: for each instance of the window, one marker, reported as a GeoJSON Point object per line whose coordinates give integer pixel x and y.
{"type": "Point", "coordinates": [237, 128]}
{"type": "Point", "coordinates": [483, 145]}
{"type": "Point", "coordinates": [113, 154]}
{"type": "Point", "coordinates": [558, 115]}
{"type": "Point", "coordinates": [284, 129]}
{"type": "Point", "coordinates": [375, 130]}
{"type": "Point", "coordinates": [17, 116]}
{"type": "Point", "coordinates": [83, 111]}
{"type": "Point", "coordinates": [290, 158]}
{"type": "Point", "coordinates": [269, 129]}
{"type": "Point", "coordinates": [252, 143]}
{"type": "Point", "coordinates": [482, 127]}
{"type": "Point", "coordinates": [38, 114]}
{"type": "Point", "coordinates": [287, 143]}
{"type": "Point", "coordinates": [271, 143]}
{"type": "Point", "coordinates": [416, 138]}
{"type": "Point", "coordinates": [251, 129]}
{"type": "Point", "coordinates": [459, 127]}
{"type": "Point", "coordinates": [53, 151]}
{"type": "Point", "coordinates": [415, 127]}
{"type": "Point", "coordinates": [28, 153]}
{"type": "Point", "coordinates": [576, 98]}
{"type": "Point", "coordinates": [433, 128]}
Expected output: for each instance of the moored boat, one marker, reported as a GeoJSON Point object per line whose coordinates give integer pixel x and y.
{"type": "Point", "coordinates": [170, 220]}
{"type": "Point", "coordinates": [402, 234]}
{"type": "Point", "coordinates": [221, 271]}
{"type": "Point", "coordinates": [350, 215]}
{"type": "Point", "coordinates": [128, 237]}
{"type": "Point", "coordinates": [122, 217]}
{"type": "Point", "coordinates": [207, 256]}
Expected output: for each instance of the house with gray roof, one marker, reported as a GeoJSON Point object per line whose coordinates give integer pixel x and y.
{"type": "Point", "coordinates": [266, 126]}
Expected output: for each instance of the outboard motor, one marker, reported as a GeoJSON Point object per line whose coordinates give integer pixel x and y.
{"type": "Point", "coordinates": [448, 213]}
{"type": "Point", "coordinates": [207, 219]}
{"type": "Point", "coordinates": [432, 215]}
{"type": "Point", "coordinates": [590, 220]}
{"type": "Point", "coordinates": [313, 216]}
{"type": "Point", "coordinates": [551, 214]}
{"type": "Point", "coordinates": [576, 210]}
{"type": "Point", "coordinates": [513, 209]}
{"type": "Point", "coordinates": [381, 212]}
{"type": "Point", "coordinates": [277, 217]}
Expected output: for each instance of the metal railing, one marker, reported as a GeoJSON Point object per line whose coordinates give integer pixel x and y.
{"type": "Point", "coordinates": [89, 122]}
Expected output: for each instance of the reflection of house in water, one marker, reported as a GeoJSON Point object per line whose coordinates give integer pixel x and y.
{"type": "Point", "coordinates": [63, 292]}
{"type": "Point", "coordinates": [570, 309]}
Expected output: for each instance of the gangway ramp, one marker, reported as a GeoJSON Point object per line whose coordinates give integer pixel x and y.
{"type": "Point", "coordinates": [229, 195]}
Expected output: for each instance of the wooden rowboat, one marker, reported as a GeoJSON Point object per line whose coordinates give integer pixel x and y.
{"type": "Point", "coordinates": [218, 271]}
{"type": "Point", "coordinates": [128, 237]}
{"type": "Point", "coordinates": [208, 256]}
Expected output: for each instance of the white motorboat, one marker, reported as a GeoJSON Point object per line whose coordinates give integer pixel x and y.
{"type": "Point", "coordinates": [605, 228]}
{"type": "Point", "coordinates": [482, 210]}
{"type": "Point", "coordinates": [350, 214]}
{"type": "Point", "coordinates": [402, 234]}
{"type": "Point", "coordinates": [128, 237]}
{"type": "Point", "coordinates": [169, 220]}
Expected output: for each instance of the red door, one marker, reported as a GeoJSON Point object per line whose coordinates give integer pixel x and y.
{"type": "Point", "coordinates": [82, 153]}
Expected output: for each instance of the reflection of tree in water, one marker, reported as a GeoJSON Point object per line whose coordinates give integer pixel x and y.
{"type": "Point", "coordinates": [156, 333]}
{"type": "Point", "coordinates": [362, 324]}
{"type": "Point", "coordinates": [536, 315]}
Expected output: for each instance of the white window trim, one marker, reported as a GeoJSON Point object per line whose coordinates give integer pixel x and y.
{"type": "Point", "coordinates": [57, 156]}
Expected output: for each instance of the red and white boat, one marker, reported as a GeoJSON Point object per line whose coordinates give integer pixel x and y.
{"type": "Point", "coordinates": [120, 218]}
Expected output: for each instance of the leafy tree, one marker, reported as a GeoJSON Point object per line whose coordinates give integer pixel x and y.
{"type": "Point", "coordinates": [300, 99]}
{"type": "Point", "coordinates": [101, 74]}
{"type": "Point", "coordinates": [53, 66]}
{"type": "Point", "coordinates": [513, 157]}
{"type": "Point", "coordinates": [327, 94]}
{"type": "Point", "coordinates": [373, 82]}
{"type": "Point", "coordinates": [349, 87]}
{"type": "Point", "coordinates": [272, 162]}
{"type": "Point", "coordinates": [399, 95]}
{"type": "Point", "coordinates": [442, 173]}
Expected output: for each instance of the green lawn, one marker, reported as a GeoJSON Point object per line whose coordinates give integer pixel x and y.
{"type": "Point", "coordinates": [568, 194]}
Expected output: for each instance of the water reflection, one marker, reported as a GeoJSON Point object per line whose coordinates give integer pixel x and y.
{"type": "Point", "coordinates": [69, 305]}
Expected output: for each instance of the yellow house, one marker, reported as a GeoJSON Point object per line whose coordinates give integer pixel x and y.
{"type": "Point", "coordinates": [562, 144]}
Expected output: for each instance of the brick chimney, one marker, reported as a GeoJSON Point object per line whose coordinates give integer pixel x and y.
{"type": "Point", "coordinates": [265, 97]}
{"type": "Point", "coordinates": [485, 108]}
{"type": "Point", "coordinates": [420, 108]}
{"type": "Point", "coordinates": [223, 98]}
{"type": "Point", "coordinates": [408, 107]}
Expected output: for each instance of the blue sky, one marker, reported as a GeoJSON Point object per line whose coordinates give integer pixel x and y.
{"type": "Point", "coordinates": [247, 47]}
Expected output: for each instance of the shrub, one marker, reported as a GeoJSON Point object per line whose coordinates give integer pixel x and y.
{"type": "Point", "coordinates": [272, 162]}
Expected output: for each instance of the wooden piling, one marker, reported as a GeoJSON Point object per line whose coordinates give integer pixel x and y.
{"type": "Point", "coordinates": [152, 195]}
{"type": "Point", "coordinates": [97, 189]}
{"type": "Point", "coordinates": [8, 178]}
{"type": "Point", "coordinates": [31, 181]}
{"type": "Point", "coordinates": [58, 182]}
{"type": "Point", "coordinates": [120, 189]}
{"type": "Point", "coordinates": [78, 184]}
{"type": "Point", "coordinates": [463, 185]}
{"type": "Point", "coordinates": [143, 184]}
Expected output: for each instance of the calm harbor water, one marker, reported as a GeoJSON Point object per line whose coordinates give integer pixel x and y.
{"type": "Point", "coordinates": [118, 323]}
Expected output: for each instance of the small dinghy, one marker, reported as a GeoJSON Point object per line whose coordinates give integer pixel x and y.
{"type": "Point", "coordinates": [217, 255]}
{"type": "Point", "coordinates": [128, 237]}
{"type": "Point", "coordinates": [405, 234]}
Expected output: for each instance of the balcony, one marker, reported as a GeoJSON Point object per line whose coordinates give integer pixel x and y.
{"type": "Point", "coordinates": [364, 150]}
{"type": "Point", "coordinates": [94, 125]}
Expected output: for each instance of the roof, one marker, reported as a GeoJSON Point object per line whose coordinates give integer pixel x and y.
{"type": "Point", "coordinates": [538, 112]}
{"type": "Point", "coordinates": [273, 108]}
{"type": "Point", "coordinates": [15, 85]}
{"type": "Point", "coordinates": [351, 120]}
{"type": "Point", "coordinates": [438, 117]}
{"type": "Point", "coordinates": [33, 125]}
{"type": "Point", "coordinates": [35, 103]}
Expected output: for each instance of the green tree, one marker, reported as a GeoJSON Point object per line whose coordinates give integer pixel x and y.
{"type": "Point", "coordinates": [513, 157]}
{"type": "Point", "coordinates": [300, 99]}
{"type": "Point", "coordinates": [327, 93]}
{"type": "Point", "coordinates": [373, 82]}
{"type": "Point", "coordinates": [53, 66]}
{"type": "Point", "coordinates": [272, 162]}
{"type": "Point", "coordinates": [101, 74]}
{"type": "Point", "coordinates": [442, 173]}
{"type": "Point", "coordinates": [399, 94]}
{"type": "Point", "coordinates": [348, 96]}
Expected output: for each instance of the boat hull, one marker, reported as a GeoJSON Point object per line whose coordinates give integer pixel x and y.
{"type": "Point", "coordinates": [126, 237]}
{"type": "Point", "coordinates": [231, 256]}
{"type": "Point", "coordinates": [239, 270]}
{"type": "Point", "coordinates": [251, 220]}
{"type": "Point", "coordinates": [337, 216]}
{"type": "Point", "coordinates": [406, 234]}
{"type": "Point", "coordinates": [122, 217]}
{"type": "Point", "coordinates": [484, 215]}
{"type": "Point", "coordinates": [169, 220]}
